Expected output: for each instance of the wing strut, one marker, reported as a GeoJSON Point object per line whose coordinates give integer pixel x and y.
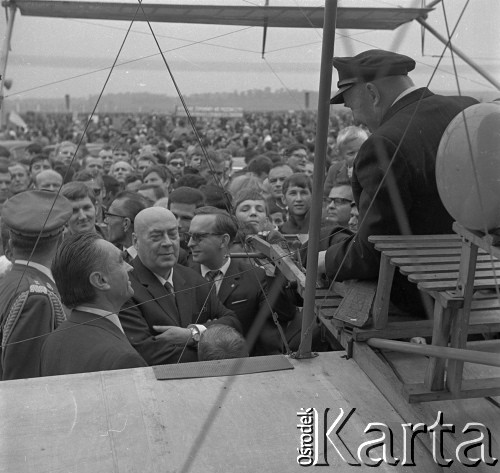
{"type": "Point", "coordinates": [11, 13]}
{"type": "Point", "coordinates": [460, 54]}
{"type": "Point", "coordinates": [325, 88]}
{"type": "Point", "coordinates": [264, 35]}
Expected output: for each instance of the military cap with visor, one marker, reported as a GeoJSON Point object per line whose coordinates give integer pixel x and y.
{"type": "Point", "coordinates": [36, 212]}
{"type": "Point", "coordinates": [368, 66]}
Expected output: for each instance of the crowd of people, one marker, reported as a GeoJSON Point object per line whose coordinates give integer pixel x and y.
{"type": "Point", "coordinates": [118, 241]}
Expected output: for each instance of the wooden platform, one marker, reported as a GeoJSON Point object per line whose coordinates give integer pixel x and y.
{"type": "Point", "coordinates": [127, 421]}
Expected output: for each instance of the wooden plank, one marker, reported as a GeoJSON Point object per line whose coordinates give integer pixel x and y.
{"type": "Point", "coordinates": [410, 260]}
{"type": "Point", "coordinates": [435, 373]}
{"type": "Point", "coordinates": [478, 239]}
{"type": "Point", "coordinates": [445, 268]}
{"type": "Point", "coordinates": [450, 286]}
{"type": "Point", "coordinates": [237, 366]}
{"type": "Point", "coordinates": [127, 421]}
{"type": "Point", "coordinates": [412, 238]}
{"type": "Point", "coordinates": [480, 322]}
{"type": "Point", "coordinates": [391, 387]}
{"type": "Point", "coordinates": [420, 252]}
{"type": "Point", "coordinates": [415, 245]}
{"type": "Point", "coordinates": [453, 276]}
{"type": "Point", "coordinates": [459, 325]}
{"type": "Point", "coordinates": [383, 295]}
{"type": "Point", "coordinates": [469, 389]}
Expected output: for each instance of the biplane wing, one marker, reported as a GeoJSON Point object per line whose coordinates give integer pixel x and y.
{"type": "Point", "coordinates": [282, 17]}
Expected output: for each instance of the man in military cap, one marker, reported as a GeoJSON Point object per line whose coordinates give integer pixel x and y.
{"type": "Point", "coordinates": [394, 183]}
{"type": "Point", "coordinates": [30, 306]}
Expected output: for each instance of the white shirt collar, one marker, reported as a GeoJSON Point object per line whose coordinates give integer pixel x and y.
{"type": "Point", "coordinates": [404, 93]}
{"type": "Point", "coordinates": [43, 269]}
{"type": "Point", "coordinates": [169, 279]}
{"type": "Point", "coordinates": [131, 251]}
{"type": "Point", "coordinates": [112, 317]}
{"type": "Point", "coordinates": [223, 269]}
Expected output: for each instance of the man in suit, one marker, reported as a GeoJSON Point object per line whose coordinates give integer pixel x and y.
{"type": "Point", "coordinates": [92, 278]}
{"type": "Point", "coordinates": [171, 303]}
{"type": "Point", "coordinates": [239, 285]}
{"type": "Point", "coordinates": [30, 306]}
{"type": "Point", "coordinates": [394, 182]}
{"type": "Point", "coordinates": [120, 221]}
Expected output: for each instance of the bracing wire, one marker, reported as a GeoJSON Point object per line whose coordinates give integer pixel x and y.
{"type": "Point", "coordinates": [216, 179]}
{"type": "Point", "coordinates": [470, 151]}
{"type": "Point", "coordinates": [386, 173]}
{"type": "Point", "coordinates": [73, 157]}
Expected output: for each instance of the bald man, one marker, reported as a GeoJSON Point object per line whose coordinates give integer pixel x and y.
{"type": "Point", "coordinates": [171, 303]}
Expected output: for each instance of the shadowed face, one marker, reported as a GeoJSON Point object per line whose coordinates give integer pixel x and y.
{"type": "Point", "coordinates": [116, 272]}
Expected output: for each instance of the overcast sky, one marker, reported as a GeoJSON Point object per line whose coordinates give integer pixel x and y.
{"type": "Point", "coordinates": [48, 55]}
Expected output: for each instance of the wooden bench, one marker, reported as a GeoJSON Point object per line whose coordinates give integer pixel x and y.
{"type": "Point", "coordinates": [461, 273]}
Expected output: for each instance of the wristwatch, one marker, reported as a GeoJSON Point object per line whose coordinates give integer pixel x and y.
{"type": "Point", "coordinates": [195, 333]}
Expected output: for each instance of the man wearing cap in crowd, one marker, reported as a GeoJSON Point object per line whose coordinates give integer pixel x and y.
{"type": "Point", "coordinates": [393, 181]}
{"type": "Point", "coordinates": [30, 306]}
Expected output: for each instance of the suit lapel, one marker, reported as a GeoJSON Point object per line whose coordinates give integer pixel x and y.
{"type": "Point", "coordinates": [157, 291]}
{"type": "Point", "coordinates": [185, 302]}
{"type": "Point", "coordinates": [230, 282]}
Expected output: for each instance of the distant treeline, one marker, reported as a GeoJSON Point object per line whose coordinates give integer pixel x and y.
{"type": "Point", "coordinates": [250, 100]}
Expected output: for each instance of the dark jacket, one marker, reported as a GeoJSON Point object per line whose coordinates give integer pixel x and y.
{"type": "Point", "coordinates": [151, 305]}
{"type": "Point", "coordinates": [85, 343]}
{"type": "Point", "coordinates": [408, 201]}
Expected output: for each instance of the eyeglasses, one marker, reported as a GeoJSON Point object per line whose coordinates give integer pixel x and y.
{"type": "Point", "coordinates": [339, 201]}
{"type": "Point", "coordinates": [178, 164]}
{"type": "Point", "coordinates": [197, 237]}
{"type": "Point", "coordinates": [109, 214]}
{"type": "Point", "coordinates": [303, 156]}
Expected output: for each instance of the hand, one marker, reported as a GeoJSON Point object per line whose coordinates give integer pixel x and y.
{"type": "Point", "coordinates": [172, 334]}
{"type": "Point", "coordinates": [321, 262]}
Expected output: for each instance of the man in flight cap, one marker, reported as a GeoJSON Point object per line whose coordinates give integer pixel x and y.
{"type": "Point", "coordinates": [393, 181]}
{"type": "Point", "coordinates": [30, 306]}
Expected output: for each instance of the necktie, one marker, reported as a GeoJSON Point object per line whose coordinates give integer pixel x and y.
{"type": "Point", "coordinates": [211, 276]}
{"type": "Point", "coordinates": [169, 287]}
{"type": "Point", "coordinates": [171, 302]}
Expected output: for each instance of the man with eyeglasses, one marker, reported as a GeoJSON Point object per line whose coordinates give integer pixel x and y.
{"type": "Point", "coordinates": [120, 218]}
{"type": "Point", "coordinates": [339, 206]}
{"type": "Point", "coordinates": [296, 156]}
{"type": "Point", "coordinates": [171, 303]}
{"type": "Point", "coordinates": [176, 164]}
{"type": "Point", "coordinates": [240, 286]}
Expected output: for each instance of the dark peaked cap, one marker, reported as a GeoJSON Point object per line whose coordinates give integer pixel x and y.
{"type": "Point", "coordinates": [33, 213]}
{"type": "Point", "coordinates": [368, 66]}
